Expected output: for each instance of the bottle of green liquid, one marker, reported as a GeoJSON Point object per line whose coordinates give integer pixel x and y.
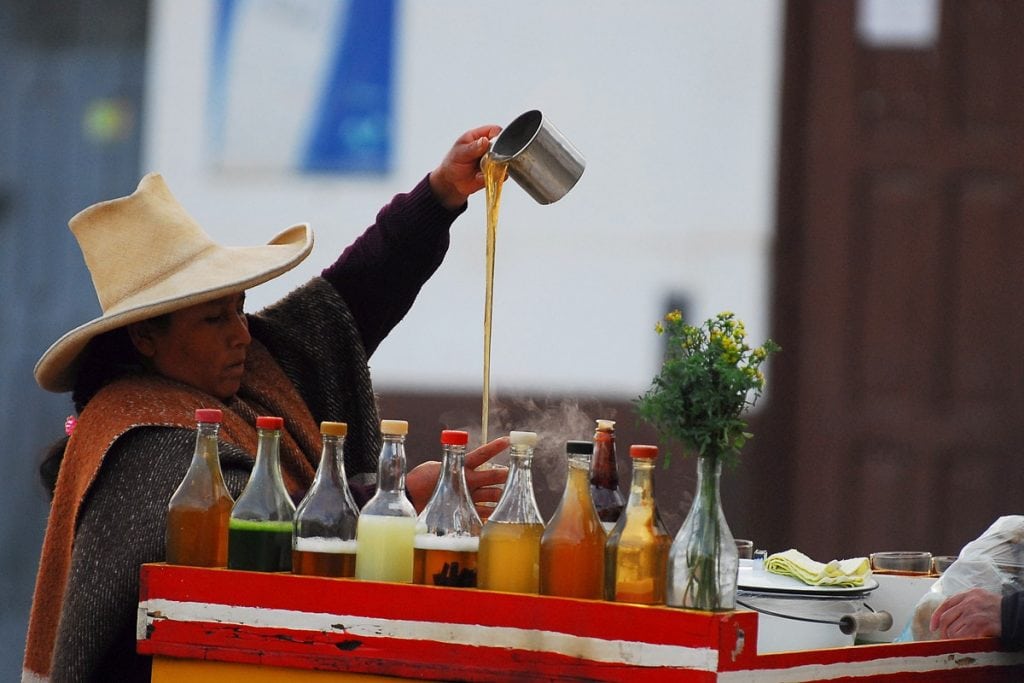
{"type": "Point", "coordinates": [260, 528]}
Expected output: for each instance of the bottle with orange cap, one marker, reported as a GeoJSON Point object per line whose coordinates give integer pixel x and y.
{"type": "Point", "coordinates": [448, 530]}
{"type": "Point", "coordinates": [636, 553]}
{"type": "Point", "coordinates": [324, 541]}
{"type": "Point", "coordinates": [260, 529]}
{"type": "Point", "coordinates": [387, 523]}
{"type": "Point", "coordinates": [198, 512]}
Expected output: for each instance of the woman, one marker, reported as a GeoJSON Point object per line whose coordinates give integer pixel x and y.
{"type": "Point", "coordinates": [174, 337]}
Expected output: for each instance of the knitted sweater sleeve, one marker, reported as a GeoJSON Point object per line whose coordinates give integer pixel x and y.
{"type": "Point", "coordinates": [380, 274]}
{"type": "Point", "coordinates": [121, 526]}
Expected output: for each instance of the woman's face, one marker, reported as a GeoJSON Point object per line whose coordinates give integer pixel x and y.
{"type": "Point", "coordinates": [203, 345]}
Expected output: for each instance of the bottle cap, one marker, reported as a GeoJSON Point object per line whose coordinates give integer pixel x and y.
{"type": "Point", "coordinates": [394, 427]}
{"type": "Point", "coordinates": [454, 437]}
{"type": "Point", "coordinates": [606, 425]}
{"type": "Point", "coordinates": [333, 428]}
{"type": "Point", "coordinates": [643, 451]}
{"type": "Point", "coordinates": [209, 415]}
{"type": "Point", "coordinates": [579, 447]}
{"type": "Point", "coordinates": [265, 422]}
{"type": "Point", "coordinates": [522, 439]}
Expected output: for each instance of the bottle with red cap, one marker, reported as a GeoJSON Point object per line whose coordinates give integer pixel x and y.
{"type": "Point", "coordinates": [324, 542]}
{"type": "Point", "coordinates": [197, 514]}
{"type": "Point", "coordinates": [448, 530]}
{"type": "Point", "coordinates": [260, 529]}
{"type": "Point", "coordinates": [636, 553]}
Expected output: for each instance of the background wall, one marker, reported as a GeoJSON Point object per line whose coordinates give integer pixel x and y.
{"type": "Point", "coordinates": [676, 203]}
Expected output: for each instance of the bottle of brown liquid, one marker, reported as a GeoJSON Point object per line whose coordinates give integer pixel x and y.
{"type": "Point", "coordinates": [572, 546]}
{"type": "Point", "coordinates": [198, 512]}
{"type": "Point", "coordinates": [604, 476]}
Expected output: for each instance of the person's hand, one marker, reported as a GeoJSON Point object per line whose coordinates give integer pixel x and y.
{"type": "Point", "coordinates": [483, 484]}
{"type": "Point", "coordinates": [422, 479]}
{"type": "Point", "coordinates": [459, 175]}
{"type": "Point", "coordinates": [975, 613]}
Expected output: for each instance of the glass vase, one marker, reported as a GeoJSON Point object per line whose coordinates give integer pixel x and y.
{"type": "Point", "coordinates": [703, 562]}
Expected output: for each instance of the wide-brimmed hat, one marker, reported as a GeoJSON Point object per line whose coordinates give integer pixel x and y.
{"type": "Point", "coordinates": [148, 257]}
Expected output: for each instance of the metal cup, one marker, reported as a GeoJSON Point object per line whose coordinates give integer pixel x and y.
{"type": "Point", "coordinates": [540, 159]}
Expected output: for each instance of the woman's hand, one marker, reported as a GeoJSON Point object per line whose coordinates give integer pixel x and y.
{"type": "Point", "coordinates": [459, 175]}
{"type": "Point", "coordinates": [975, 613]}
{"type": "Point", "coordinates": [422, 479]}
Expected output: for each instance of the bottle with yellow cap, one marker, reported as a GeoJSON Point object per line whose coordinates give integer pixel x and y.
{"type": "Point", "coordinates": [448, 530]}
{"type": "Point", "coordinates": [324, 542]}
{"type": "Point", "coordinates": [636, 554]}
{"type": "Point", "coordinates": [509, 558]}
{"type": "Point", "coordinates": [260, 528]}
{"type": "Point", "coordinates": [387, 523]}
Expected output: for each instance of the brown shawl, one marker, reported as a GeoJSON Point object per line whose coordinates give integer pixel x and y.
{"type": "Point", "coordinates": [152, 400]}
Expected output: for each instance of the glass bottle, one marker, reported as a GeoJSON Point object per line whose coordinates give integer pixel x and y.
{"type": "Point", "coordinates": [198, 512]}
{"type": "Point", "coordinates": [448, 530]}
{"type": "Point", "coordinates": [637, 549]}
{"type": "Point", "coordinates": [324, 542]}
{"type": "Point", "coordinates": [572, 546]}
{"type": "Point", "coordinates": [604, 475]}
{"type": "Point", "coordinates": [703, 562]}
{"type": "Point", "coordinates": [510, 540]}
{"type": "Point", "coordinates": [260, 529]}
{"type": "Point", "coordinates": [387, 523]}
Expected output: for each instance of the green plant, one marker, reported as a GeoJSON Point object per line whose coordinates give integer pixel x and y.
{"type": "Point", "coordinates": [708, 378]}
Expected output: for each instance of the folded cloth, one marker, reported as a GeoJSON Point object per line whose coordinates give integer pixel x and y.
{"type": "Point", "coordinates": [842, 573]}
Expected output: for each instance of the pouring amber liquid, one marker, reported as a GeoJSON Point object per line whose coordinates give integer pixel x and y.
{"type": "Point", "coordinates": [495, 171]}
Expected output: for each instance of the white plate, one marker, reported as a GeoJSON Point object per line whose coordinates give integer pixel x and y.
{"type": "Point", "coordinates": [749, 579]}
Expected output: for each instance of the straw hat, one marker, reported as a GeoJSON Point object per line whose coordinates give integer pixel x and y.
{"type": "Point", "coordinates": [148, 257]}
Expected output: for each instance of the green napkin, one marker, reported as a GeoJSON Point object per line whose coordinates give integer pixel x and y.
{"type": "Point", "coordinates": [842, 573]}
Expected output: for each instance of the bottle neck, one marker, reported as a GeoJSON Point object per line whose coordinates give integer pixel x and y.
{"type": "Point", "coordinates": [268, 455]}
{"type": "Point", "coordinates": [641, 489]}
{"type": "Point", "coordinates": [518, 503]}
{"type": "Point", "coordinates": [709, 471]}
{"type": "Point", "coordinates": [332, 461]}
{"type": "Point", "coordinates": [577, 484]}
{"type": "Point", "coordinates": [391, 467]}
{"type": "Point", "coordinates": [453, 475]}
{"type": "Point", "coordinates": [604, 472]}
{"type": "Point", "coordinates": [206, 445]}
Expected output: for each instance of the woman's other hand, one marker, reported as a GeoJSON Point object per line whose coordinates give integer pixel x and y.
{"type": "Point", "coordinates": [422, 479]}
{"type": "Point", "coordinates": [459, 175]}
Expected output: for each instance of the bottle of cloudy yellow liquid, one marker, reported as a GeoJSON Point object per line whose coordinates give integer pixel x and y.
{"type": "Point", "coordinates": [448, 529]}
{"type": "Point", "coordinates": [387, 523]}
{"type": "Point", "coordinates": [636, 554]}
{"type": "Point", "coordinates": [572, 546]}
{"type": "Point", "coordinates": [509, 558]}
{"type": "Point", "coordinates": [324, 542]}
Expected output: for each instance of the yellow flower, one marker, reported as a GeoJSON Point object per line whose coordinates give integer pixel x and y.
{"type": "Point", "coordinates": [674, 316]}
{"type": "Point", "coordinates": [659, 328]}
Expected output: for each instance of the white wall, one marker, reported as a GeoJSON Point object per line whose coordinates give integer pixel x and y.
{"type": "Point", "coordinates": [674, 104]}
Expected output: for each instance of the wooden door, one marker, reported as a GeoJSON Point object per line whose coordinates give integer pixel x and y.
{"type": "Point", "coordinates": [896, 410]}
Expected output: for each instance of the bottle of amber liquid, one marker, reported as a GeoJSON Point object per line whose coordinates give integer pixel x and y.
{"type": "Point", "coordinates": [198, 512]}
{"type": "Point", "coordinates": [509, 557]}
{"type": "Point", "coordinates": [604, 475]}
{"type": "Point", "coordinates": [387, 523]}
{"type": "Point", "coordinates": [636, 554]}
{"type": "Point", "coordinates": [572, 546]}
{"type": "Point", "coordinates": [260, 530]}
{"type": "Point", "coordinates": [448, 530]}
{"type": "Point", "coordinates": [324, 541]}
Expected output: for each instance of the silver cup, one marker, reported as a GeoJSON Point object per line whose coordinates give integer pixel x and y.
{"type": "Point", "coordinates": [540, 159]}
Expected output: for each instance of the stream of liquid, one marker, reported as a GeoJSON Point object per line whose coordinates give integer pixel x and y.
{"type": "Point", "coordinates": [495, 172]}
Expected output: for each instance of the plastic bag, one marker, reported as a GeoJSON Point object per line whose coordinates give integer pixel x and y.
{"type": "Point", "coordinates": [994, 561]}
